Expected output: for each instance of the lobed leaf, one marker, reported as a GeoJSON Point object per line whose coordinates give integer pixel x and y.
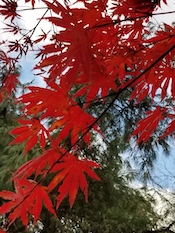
{"type": "Point", "coordinates": [71, 173]}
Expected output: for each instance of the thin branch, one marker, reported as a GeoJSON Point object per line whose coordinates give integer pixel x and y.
{"type": "Point", "coordinates": [32, 9]}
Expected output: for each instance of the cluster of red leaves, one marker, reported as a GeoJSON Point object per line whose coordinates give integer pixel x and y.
{"type": "Point", "coordinates": [32, 131]}
{"type": "Point", "coordinates": [27, 199]}
{"type": "Point", "coordinates": [90, 56]}
{"type": "Point", "coordinates": [8, 9]}
{"type": "Point", "coordinates": [29, 195]}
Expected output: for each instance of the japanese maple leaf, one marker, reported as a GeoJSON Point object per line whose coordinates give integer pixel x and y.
{"type": "Point", "coordinates": [164, 79]}
{"type": "Point", "coordinates": [101, 85]}
{"type": "Point", "coordinates": [140, 91]}
{"type": "Point", "coordinates": [147, 125]}
{"type": "Point", "coordinates": [27, 199]}
{"type": "Point", "coordinates": [41, 100]}
{"type": "Point", "coordinates": [32, 131]}
{"type": "Point", "coordinates": [76, 122]}
{"type": "Point", "coordinates": [9, 9]}
{"type": "Point", "coordinates": [71, 173]}
{"type": "Point", "coordinates": [6, 61]}
{"type": "Point", "coordinates": [40, 165]}
{"type": "Point", "coordinates": [41, 37]}
{"type": "Point", "coordinates": [161, 75]}
{"type": "Point", "coordinates": [10, 82]}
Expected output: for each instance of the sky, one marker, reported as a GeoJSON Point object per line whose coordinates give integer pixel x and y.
{"type": "Point", "coordinates": [166, 18]}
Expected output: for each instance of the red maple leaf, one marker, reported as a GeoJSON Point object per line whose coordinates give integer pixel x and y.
{"type": "Point", "coordinates": [71, 173]}
{"type": "Point", "coordinates": [41, 100]}
{"type": "Point", "coordinates": [9, 9]}
{"type": "Point", "coordinates": [40, 165]}
{"type": "Point", "coordinates": [146, 126]}
{"type": "Point", "coordinates": [76, 122]}
{"type": "Point", "coordinates": [28, 198]}
{"type": "Point", "coordinates": [10, 82]}
{"type": "Point", "coordinates": [32, 131]}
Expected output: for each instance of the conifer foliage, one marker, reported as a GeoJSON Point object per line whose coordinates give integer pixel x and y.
{"type": "Point", "coordinates": [99, 49]}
